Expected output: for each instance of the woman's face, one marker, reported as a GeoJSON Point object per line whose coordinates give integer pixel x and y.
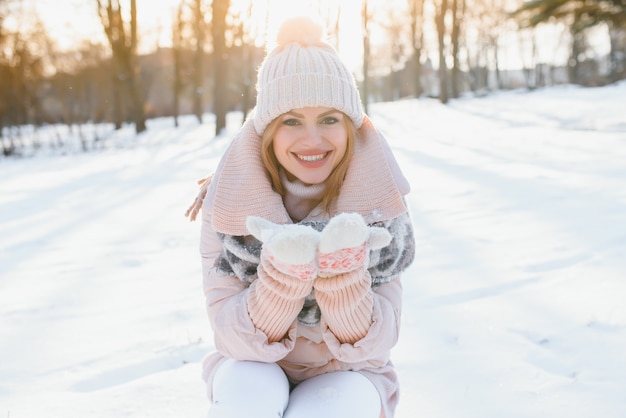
{"type": "Point", "coordinates": [310, 142]}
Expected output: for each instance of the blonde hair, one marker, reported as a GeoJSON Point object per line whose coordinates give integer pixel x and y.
{"type": "Point", "coordinates": [334, 180]}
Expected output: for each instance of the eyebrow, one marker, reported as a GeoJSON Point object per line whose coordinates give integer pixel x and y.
{"type": "Point", "coordinates": [299, 115]}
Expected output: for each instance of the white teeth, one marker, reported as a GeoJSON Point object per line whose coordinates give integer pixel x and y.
{"type": "Point", "coordinates": [311, 157]}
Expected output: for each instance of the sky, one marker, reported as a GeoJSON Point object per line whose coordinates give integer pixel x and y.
{"type": "Point", "coordinates": [69, 21]}
{"type": "Point", "coordinates": [514, 306]}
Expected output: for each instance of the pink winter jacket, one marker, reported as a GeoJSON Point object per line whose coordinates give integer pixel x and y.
{"type": "Point", "coordinates": [374, 187]}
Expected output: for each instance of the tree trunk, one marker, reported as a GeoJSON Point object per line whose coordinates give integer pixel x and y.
{"type": "Point", "coordinates": [248, 65]}
{"type": "Point", "coordinates": [455, 77]}
{"type": "Point", "coordinates": [135, 73]}
{"type": "Point", "coordinates": [124, 54]}
{"type": "Point", "coordinates": [198, 67]}
{"type": "Point", "coordinates": [118, 91]}
{"type": "Point", "coordinates": [176, 52]}
{"type": "Point", "coordinates": [574, 61]}
{"type": "Point", "coordinates": [220, 86]}
{"type": "Point", "coordinates": [417, 38]}
{"type": "Point", "coordinates": [441, 37]}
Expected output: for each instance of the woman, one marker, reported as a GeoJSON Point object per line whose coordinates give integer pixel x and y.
{"type": "Point", "coordinates": [304, 235]}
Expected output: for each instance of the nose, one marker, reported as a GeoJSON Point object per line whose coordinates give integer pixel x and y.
{"type": "Point", "coordinates": [311, 136]}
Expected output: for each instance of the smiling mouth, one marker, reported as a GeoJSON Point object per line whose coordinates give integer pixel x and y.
{"type": "Point", "coordinates": [312, 158]}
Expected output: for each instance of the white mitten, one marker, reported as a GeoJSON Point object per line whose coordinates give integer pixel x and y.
{"type": "Point", "coordinates": [291, 249]}
{"type": "Point", "coordinates": [286, 272]}
{"type": "Point", "coordinates": [345, 244]}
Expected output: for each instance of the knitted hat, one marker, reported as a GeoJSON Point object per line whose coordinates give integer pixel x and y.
{"type": "Point", "coordinates": [304, 71]}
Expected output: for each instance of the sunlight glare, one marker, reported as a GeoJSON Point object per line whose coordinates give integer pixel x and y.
{"type": "Point", "coordinates": [262, 18]}
{"type": "Point", "coordinates": [265, 17]}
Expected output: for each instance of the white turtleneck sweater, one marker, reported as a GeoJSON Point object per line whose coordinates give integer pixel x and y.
{"type": "Point", "coordinates": [300, 198]}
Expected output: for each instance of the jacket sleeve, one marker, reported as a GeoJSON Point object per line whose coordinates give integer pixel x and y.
{"type": "Point", "coordinates": [226, 296]}
{"type": "Point", "coordinates": [383, 332]}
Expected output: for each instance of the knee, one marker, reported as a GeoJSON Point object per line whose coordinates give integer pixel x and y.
{"type": "Point", "coordinates": [345, 394]}
{"type": "Point", "coordinates": [246, 388]}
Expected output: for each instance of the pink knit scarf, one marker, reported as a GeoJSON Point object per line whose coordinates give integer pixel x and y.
{"type": "Point", "coordinates": [242, 188]}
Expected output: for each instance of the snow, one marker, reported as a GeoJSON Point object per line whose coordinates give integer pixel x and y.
{"type": "Point", "coordinates": [514, 306]}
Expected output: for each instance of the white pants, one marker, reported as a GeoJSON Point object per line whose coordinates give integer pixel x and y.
{"type": "Point", "coordinates": [246, 389]}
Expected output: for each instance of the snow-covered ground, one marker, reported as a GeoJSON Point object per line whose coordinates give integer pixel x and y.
{"type": "Point", "coordinates": [514, 307]}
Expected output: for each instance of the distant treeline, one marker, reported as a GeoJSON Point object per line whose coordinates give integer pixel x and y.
{"type": "Point", "coordinates": [212, 61]}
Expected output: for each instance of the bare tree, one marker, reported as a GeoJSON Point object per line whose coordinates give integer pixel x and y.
{"type": "Point", "coordinates": [21, 79]}
{"type": "Point", "coordinates": [458, 12]}
{"type": "Point", "coordinates": [198, 67]}
{"type": "Point", "coordinates": [527, 41]}
{"type": "Point", "coordinates": [394, 24]}
{"type": "Point", "coordinates": [247, 54]}
{"type": "Point", "coordinates": [578, 16]}
{"type": "Point", "coordinates": [123, 39]}
{"type": "Point", "coordinates": [177, 46]}
{"type": "Point", "coordinates": [617, 53]}
{"type": "Point", "coordinates": [332, 15]}
{"type": "Point", "coordinates": [220, 86]}
{"type": "Point", "coordinates": [441, 10]}
{"type": "Point", "coordinates": [416, 16]}
{"type": "Point", "coordinates": [2, 16]}
{"type": "Point", "coordinates": [487, 20]}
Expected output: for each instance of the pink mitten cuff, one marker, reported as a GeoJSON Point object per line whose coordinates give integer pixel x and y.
{"type": "Point", "coordinates": [342, 260]}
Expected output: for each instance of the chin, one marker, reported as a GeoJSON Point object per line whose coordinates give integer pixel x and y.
{"type": "Point", "coordinates": [313, 180]}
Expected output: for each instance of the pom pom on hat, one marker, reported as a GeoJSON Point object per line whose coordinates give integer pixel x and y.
{"type": "Point", "coordinates": [303, 30]}
{"type": "Point", "coordinates": [304, 71]}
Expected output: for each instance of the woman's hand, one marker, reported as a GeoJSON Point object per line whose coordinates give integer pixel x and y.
{"type": "Point", "coordinates": [345, 244]}
{"type": "Point", "coordinates": [291, 249]}
{"type": "Point", "coordinates": [192, 211]}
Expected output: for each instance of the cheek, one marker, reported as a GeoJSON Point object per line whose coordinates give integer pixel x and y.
{"type": "Point", "coordinates": [341, 145]}
{"type": "Point", "coordinates": [280, 145]}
